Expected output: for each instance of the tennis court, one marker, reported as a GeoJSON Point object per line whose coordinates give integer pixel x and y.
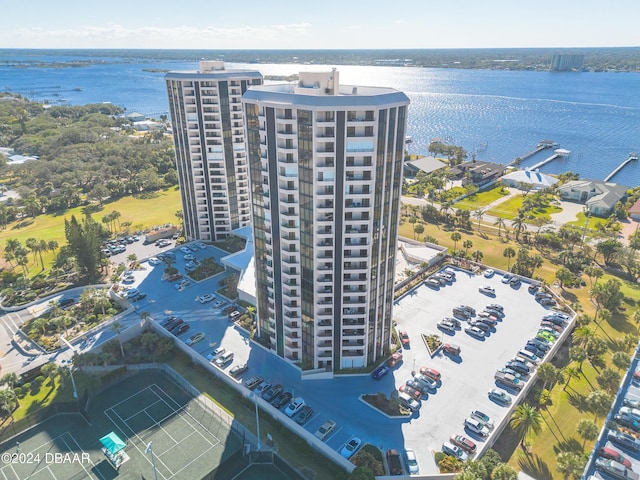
{"type": "Point", "coordinates": [159, 422]}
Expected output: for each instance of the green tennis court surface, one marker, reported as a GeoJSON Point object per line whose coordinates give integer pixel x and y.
{"type": "Point", "coordinates": [188, 441]}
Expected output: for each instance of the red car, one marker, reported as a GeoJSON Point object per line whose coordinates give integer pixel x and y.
{"type": "Point", "coordinates": [410, 391]}
{"type": "Point", "coordinates": [636, 375]}
{"type": "Point", "coordinates": [612, 454]}
{"type": "Point", "coordinates": [452, 349]}
{"type": "Point", "coordinates": [464, 443]}
{"type": "Point", "coordinates": [404, 338]}
{"type": "Point", "coordinates": [430, 372]}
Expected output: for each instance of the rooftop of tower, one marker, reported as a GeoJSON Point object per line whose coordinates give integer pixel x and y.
{"type": "Point", "coordinates": [212, 69]}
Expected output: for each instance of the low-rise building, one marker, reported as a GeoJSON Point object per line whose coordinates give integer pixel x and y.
{"type": "Point", "coordinates": [478, 173]}
{"type": "Point", "coordinates": [599, 197]}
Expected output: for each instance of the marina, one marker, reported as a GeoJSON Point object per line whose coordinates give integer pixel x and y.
{"type": "Point", "coordinates": [632, 157]}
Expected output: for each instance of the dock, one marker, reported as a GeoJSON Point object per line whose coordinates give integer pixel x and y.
{"type": "Point", "coordinates": [544, 162]}
{"type": "Point", "coordinates": [632, 157]}
{"type": "Point", "coordinates": [543, 145]}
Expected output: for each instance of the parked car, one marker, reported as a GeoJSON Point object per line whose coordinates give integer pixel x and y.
{"type": "Point", "coordinates": [174, 277]}
{"type": "Point", "coordinates": [624, 439]}
{"type": "Point", "coordinates": [421, 387]}
{"type": "Point", "coordinates": [262, 387]}
{"type": "Point", "coordinates": [281, 400]}
{"type": "Point", "coordinates": [499, 396]}
{"type": "Point", "coordinates": [426, 381]}
{"type": "Point", "coordinates": [185, 249]}
{"type": "Point", "coordinates": [238, 370]}
{"type": "Point", "coordinates": [488, 290]}
{"type": "Point", "coordinates": [432, 282]}
{"type": "Point", "coordinates": [200, 245]}
{"type": "Point", "coordinates": [380, 372]}
{"type": "Point", "coordinates": [294, 407]}
{"type": "Point", "coordinates": [506, 278]}
{"type": "Point", "coordinates": [454, 451]}
{"type": "Point", "coordinates": [195, 338]}
{"type": "Point", "coordinates": [253, 382]}
{"type": "Point", "coordinates": [408, 402]}
{"type": "Point", "coordinates": [272, 392]}
{"type": "Point", "coordinates": [446, 326]}
{"type": "Point", "coordinates": [412, 392]}
{"type": "Point", "coordinates": [514, 281]}
{"type": "Point", "coordinates": [496, 306]}
{"type": "Point", "coordinates": [216, 353]}
{"type": "Point", "coordinates": [174, 325]}
{"type": "Point", "coordinates": [464, 443]}
{"type": "Point", "coordinates": [411, 462]}
{"type": "Point", "coordinates": [430, 372]}
{"type": "Point", "coordinates": [154, 261]}
{"type": "Point", "coordinates": [223, 360]}
{"type": "Point", "coordinates": [394, 359]}
{"type": "Point", "coordinates": [189, 257]}
{"type": "Point", "coordinates": [139, 297]}
{"type": "Point", "coordinates": [475, 332]}
{"type": "Point", "coordinates": [533, 288]}
{"type": "Point", "coordinates": [628, 402]}
{"type": "Point", "coordinates": [325, 429]}
{"type": "Point", "coordinates": [518, 366]}
{"type": "Point", "coordinates": [404, 338]}
{"type": "Point", "coordinates": [394, 462]}
{"type": "Point", "coordinates": [303, 415]}
{"type": "Point", "coordinates": [615, 469]}
{"type": "Point", "coordinates": [452, 349]}
{"type": "Point", "coordinates": [206, 298]}
{"type": "Point", "coordinates": [489, 272]}
{"type": "Point", "coordinates": [476, 426]}
{"type": "Point", "coordinates": [485, 327]}
{"type": "Point", "coordinates": [351, 447]}
{"type": "Point", "coordinates": [168, 321]}
{"type": "Point", "coordinates": [612, 454]}
{"type": "Point", "coordinates": [181, 329]}
{"type": "Point", "coordinates": [483, 417]}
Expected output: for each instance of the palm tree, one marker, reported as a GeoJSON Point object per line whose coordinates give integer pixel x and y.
{"type": "Point", "coordinates": [477, 255]}
{"type": "Point", "coordinates": [569, 374]}
{"type": "Point", "coordinates": [518, 225]}
{"type": "Point", "coordinates": [455, 236]}
{"type": "Point", "coordinates": [526, 417]}
{"type": "Point", "coordinates": [500, 224]}
{"type": "Point", "coordinates": [621, 359]}
{"type": "Point", "coordinates": [478, 214]}
{"type": "Point", "coordinates": [570, 464]}
{"type": "Point", "coordinates": [577, 354]}
{"type": "Point", "coordinates": [118, 328]}
{"type": "Point", "coordinates": [11, 380]}
{"type": "Point", "coordinates": [50, 370]}
{"type": "Point", "coordinates": [587, 430]}
{"type": "Point", "coordinates": [548, 374]}
{"type": "Point", "coordinates": [582, 335]}
{"type": "Point", "coordinates": [467, 244]}
{"type": "Point", "coordinates": [509, 253]}
{"type": "Point", "coordinates": [599, 402]}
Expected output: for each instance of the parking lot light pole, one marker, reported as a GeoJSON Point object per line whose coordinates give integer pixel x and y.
{"type": "Point", "coordinates": [255, 401]}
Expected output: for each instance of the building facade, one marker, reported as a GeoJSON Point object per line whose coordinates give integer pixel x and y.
{"type": "Point", "coordinates": [325, 165]}
{"type": "Point", "coordinates": [208, 132]}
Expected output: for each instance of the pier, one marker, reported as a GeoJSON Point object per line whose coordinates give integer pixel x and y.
{"type": "Point", "coordinates": [543, 145]}
{"type": "Point", "coordinates": [560, 152]}
{"type": "Point", "coordinates": [632, 157]}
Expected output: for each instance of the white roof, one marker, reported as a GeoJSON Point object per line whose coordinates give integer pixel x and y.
{"type": "Point", "coordinates": [527, 176]}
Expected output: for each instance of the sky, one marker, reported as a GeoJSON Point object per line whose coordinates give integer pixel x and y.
{"type": "Point", "coordinates": [325, 24]}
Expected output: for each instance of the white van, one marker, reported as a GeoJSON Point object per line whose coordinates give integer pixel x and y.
{"type": "Point", "coordinates": [225, 359]}
{"type": "Point", "coordinates": [529, 356]}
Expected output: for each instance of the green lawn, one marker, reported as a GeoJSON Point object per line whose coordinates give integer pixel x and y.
{"type": "Point", "coordinates": [141, 212]}
{"type": "Point", "coordinates": [480, 199]}
{"type": "Point", "coordinates": [507, 209]}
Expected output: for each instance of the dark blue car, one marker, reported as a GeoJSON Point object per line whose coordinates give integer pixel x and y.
{"type": "Point", "coordinates": [380, 372]}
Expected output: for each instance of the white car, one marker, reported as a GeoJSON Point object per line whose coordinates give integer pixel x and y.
{"type": "Point", "coordinates": [189, 257]}
{"type": "Point", "coordinates": [454, 451]}
{"type": "Point", "coordinates": [487, 290]}
{"type": "Point", "coordinates": [476, 426]}
{"type": "Point", "coordinates": [215, 354]}
{"type": "Point", "coordinates": [325, 429]}
{"type": "Point", "coordinates": [193, 339]}
{"type": "Point", "coordinates": [351, 447]}
{"type": "Point", "coordinates": [294, 407]}
{"type": "Point", "coordinates": [185, 249]}
{"type": "Point", "coordinates": [489, 272]}
{"type": "Point", "coordinates": [206, 298]}
{"type": "Point", "coordinates": [154, 261]}
{"type": "Point", "coordinates": [200, 245]}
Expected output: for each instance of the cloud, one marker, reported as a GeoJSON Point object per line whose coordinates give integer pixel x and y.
{"type": "Point", "coordinates": [118, 36]}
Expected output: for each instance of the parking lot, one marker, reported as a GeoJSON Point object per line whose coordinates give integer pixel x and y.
{"type": "Point", "coordinates": [465, 383]}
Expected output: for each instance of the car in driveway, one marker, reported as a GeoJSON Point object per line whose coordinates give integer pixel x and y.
{"type": "Point", "coordinates": [613, 454]}
{"type": "Point", "coordinates": [303, 415]}
{"type": "Point", "coordinates": [253, 382]}
{"type": "Point", "coordinates": [489, 272]}
{"type": "Point", "coordinates": [325, 429]}
{"type": "Point", "coordinates": [476, 426]}
{"type": "Point", "coordinates": [464, 443]}
{"type": "Point", "coordinates": [615, 469]}
{"type": "Point", "coordinates": [455, 451]}
{"type": "Point", "coordinates": [499, 396]}
{"type": "Point", "coordinates": [351, 447]}
{"type": "Point", "coordinates": [475, 332]}
{"type": "Point", "coordinates": [411, 461]}
{"type": "Point", "coordinates": [238, 370]}
{"type": "Point", "coordinates": [380, 372]}
{"type": "Point", "coordinates": [294, 407]}
{"type": "Point", "coordinates": [281, 400]}
{"type": "Point", "coordinates": [624, 440]}
{"type": "Point", "coordinates": [195, 338]}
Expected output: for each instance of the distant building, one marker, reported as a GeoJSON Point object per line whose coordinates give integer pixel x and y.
{"type": "Point", "coordinates": [567, 61]}
{"type": "Point", "coordinates": [537, 180]}
{"type": "Point", "coordinates": [634, 211]}
{"type": "Point", "coordinates": [208, 135]}
{"type": "Point", "coordinates": [599, 197]}
{"type": "Point", "coordinates": [424, 164]}
{"type": "Point", "coordinates": [478, 173]}
{"type": "Point", "coordinates": [135, 117]}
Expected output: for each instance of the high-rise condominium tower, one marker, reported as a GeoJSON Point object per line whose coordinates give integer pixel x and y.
{"type": "Point", "coordinates": [326, 172]}
{"type": "Point", "coordinates": [208, 133]}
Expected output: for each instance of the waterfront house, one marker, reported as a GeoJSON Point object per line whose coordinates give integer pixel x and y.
{"type": "Point", "coordinates": [427, 165]}
{"type": "Point", "coordinates": [520, 178]}
{"type": "Point", "coordinates": [634, 211]}
{"type": "Point", "coordinates": [599, 197]}
{"type": "Point", "coordinates": [478, 173]}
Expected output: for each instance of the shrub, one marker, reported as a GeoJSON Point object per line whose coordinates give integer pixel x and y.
{"type": "Point", "coordinates": [39, 380]}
